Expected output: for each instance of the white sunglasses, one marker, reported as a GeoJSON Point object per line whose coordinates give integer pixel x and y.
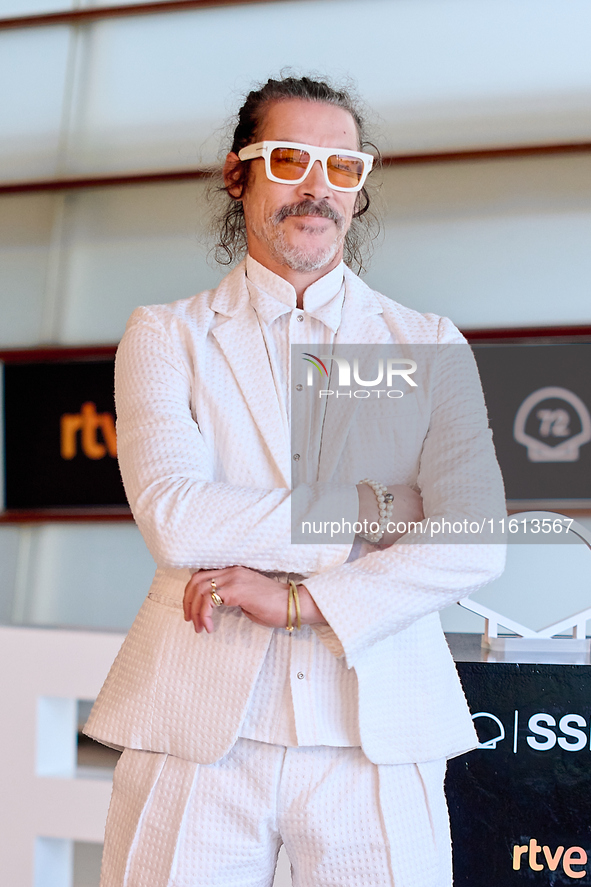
{"type": "Point", "coordinates": [291, 162]}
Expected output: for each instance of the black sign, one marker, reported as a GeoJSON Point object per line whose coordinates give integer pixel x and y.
{"type": "Point", "coordinates": [520, 806]}
{"type": "Point", "coordinates": [539, 403]}
{"type": "Point", "coordinates": [60, 442]}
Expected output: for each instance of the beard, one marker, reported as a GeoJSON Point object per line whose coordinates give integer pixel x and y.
{"type": "Point", "coordinates": [303, 258]}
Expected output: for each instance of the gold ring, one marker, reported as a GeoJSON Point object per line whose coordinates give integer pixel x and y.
{"type": "Point", "coordinates": [214, 595]}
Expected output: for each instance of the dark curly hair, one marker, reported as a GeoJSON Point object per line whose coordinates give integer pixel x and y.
{"type": "Point", "coordinates": [229, 224]}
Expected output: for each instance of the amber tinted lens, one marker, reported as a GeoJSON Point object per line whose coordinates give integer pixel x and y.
{"type": "Point", "coordinates": [289, 163]}
{"type": "Point", "coordinates": [344, 171]}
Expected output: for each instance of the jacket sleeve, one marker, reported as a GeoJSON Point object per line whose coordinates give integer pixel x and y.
{"type": "Point", "coordinates": [187, 519]}
{"type": "Point", "coordinates": [378, 595]}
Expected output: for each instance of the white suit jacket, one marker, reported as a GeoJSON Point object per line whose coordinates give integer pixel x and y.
{"type": "Point", "coordinates": [205, 457]}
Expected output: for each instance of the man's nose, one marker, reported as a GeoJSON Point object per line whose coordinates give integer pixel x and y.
{"type": "Point", "coordinates": [315, 184]}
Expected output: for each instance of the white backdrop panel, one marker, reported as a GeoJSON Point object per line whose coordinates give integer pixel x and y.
{"type": "Point", "coordinates": [128, 247]}
{"type": "Point", "coordinates": [26, 222]}
{"type": "Point", "coordinates": [9, 547]}
{"type": "Point", "coordinates": [86, 575]}
{"type": "Point", "coordinates": [500, 244]}
{"type": "Point", "coordinates": [487, 272]}
{"type": "Point", "coordinates": [32, 7]}
{"type": "Point", "coordinates": [32, 76]}
{"type": "Point", "coordinates": [503, 243]}
{"type": "Point", "coordinates": [155, 88]}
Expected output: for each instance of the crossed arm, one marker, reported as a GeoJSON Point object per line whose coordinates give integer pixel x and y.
{"type": "Point", "coordinates": [168, 468]}
{"type": "Point", "coordinates": [264, 600]}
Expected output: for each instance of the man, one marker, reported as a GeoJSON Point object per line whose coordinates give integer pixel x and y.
{"type": "Point", "coordinates": [239, 733]}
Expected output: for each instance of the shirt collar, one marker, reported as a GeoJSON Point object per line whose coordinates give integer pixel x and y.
{"type": "Point", "coordinates": [272, 296]}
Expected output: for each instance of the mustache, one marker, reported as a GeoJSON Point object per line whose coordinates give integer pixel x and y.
{"type": "Point", "coordinates": [320, 208]}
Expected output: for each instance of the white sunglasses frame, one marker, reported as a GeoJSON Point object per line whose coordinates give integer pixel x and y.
{"type": "Point", "coordinates": [264, 149]}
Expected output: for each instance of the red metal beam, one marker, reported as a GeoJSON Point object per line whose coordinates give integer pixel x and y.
{"type": "Point", "coordinates": [122, 512]}
{"type": "Point", "coordinates": [509, 151]}
{"type": "Point", "coordinates": [42, 354]}
{"type": "Point", "coordinates": [117, 180]}
{"type": "Point", "coordinates": [179, 175]}
{"type": "Point", "coordinates": [84, 16]}
{"type": "Point", "coordinates": [65, 515]}
{"type": "Point", "coordinates": [535, 333]}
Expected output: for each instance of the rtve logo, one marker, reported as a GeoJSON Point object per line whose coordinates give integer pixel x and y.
{"type": "Point", "coordinates": [88, 422]}
{"type": "Point", "coordinates": [529, 855]}
{"type": "Point", "coordinates": [571, 732]}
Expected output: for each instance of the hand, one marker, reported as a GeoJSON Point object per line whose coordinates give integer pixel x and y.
{"type": "Point", "coordinates": [261, 599]}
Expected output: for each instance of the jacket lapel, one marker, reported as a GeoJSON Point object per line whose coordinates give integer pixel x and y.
{"type": "Point", "coordinates": [361, 323]}
{"type": "Point", "coordinates": [241, 340]}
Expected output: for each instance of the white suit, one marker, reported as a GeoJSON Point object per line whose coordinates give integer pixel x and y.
{"type": "Point", "coordinates": [206, 461]}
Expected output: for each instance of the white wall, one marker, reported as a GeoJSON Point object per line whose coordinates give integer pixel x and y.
{"type": "Point", "coordinates": [151, 91]}
{"type": "Point", "coordinates": [496, 243]}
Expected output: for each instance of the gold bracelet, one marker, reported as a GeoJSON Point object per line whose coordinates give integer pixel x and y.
{"type": "Point", "coordinates": [289, 626]}
{"type": "Point", "coordinates": [296, 599]}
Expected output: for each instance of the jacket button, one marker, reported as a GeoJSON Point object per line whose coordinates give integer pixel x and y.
{"type": "Point", "coordinates": [299, 387]}
{"type": "Point", "coordinates": [300, 675]}
{"type": "Point", "coordinates": [296, 457]}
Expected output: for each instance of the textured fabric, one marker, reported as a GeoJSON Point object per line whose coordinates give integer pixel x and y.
{"type": "Point", "coordinates": [303, 694]}
{"type": "Point", "coordinates": [344, 821]}
{"type": "Point", "coordinates": [206, 462]}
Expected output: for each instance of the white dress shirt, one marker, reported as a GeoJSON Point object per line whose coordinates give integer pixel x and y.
{"type": "Point", "coordinates": [304, 695]}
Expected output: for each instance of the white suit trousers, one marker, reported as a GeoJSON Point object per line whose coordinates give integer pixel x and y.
{"type": "Point", "coordinates": [345, 822]}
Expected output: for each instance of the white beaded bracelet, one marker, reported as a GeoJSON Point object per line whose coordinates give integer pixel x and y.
{"type": "Point", "coordinates": [385, 508]}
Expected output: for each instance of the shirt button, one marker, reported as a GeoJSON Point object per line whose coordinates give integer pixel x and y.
{"type": "Point", "coordinates": [299, 387]}
{"type": "Point", "coordinates": [300, 675]}
{"type": "Point", "coordinates": [296, 457]}
{"type": "Point", "coordinates": [300, 317]}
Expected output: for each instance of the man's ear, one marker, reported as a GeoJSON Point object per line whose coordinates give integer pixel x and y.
{"type": "Point", "coordinates": [232, 172]}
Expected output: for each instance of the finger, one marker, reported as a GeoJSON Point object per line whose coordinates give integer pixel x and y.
{"type": "Point", "coordinates": [194, 612]}
{"type": "Point", "coordinates": [208, 575]}
{"type": "Point", "coordinates": [201, 609]}
{"type": "Point", "coordinates": [200, 584]}
{"type": "Point", "coordinates": [192, 599]}
{"type": "Point", "coordinates": [205, 613]}
{"type": "Point", "coordinates": [191, 589]}
{"type": "Point", "coordinates": [192, 602]}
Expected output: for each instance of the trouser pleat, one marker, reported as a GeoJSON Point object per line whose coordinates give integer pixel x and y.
{"type": "Point", "coordinates": [345, 821]}
{"type": "Point", "coordinates": [416, 824]}
{"type": "Point", "coordinates": [145, 819]}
